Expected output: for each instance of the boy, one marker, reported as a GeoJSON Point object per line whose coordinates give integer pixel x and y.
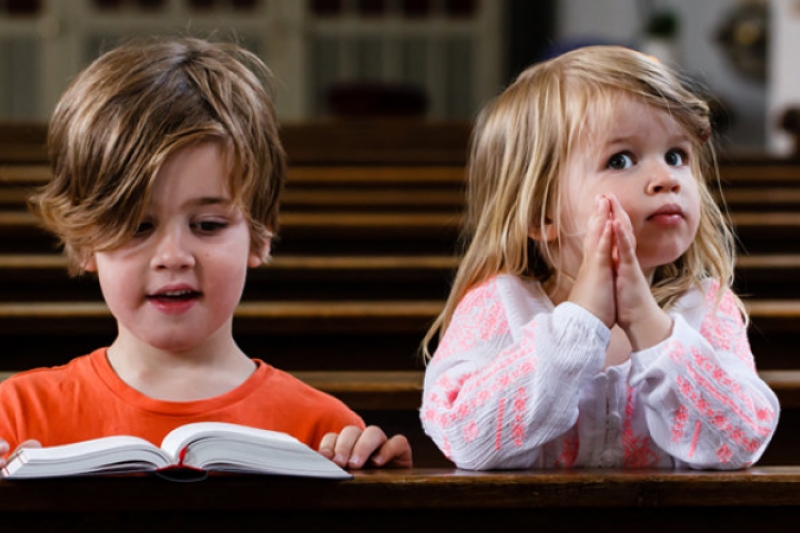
{"type": "Point", "coordinates": [167, 172]}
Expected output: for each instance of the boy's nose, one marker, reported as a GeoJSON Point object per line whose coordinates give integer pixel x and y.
{"type": "Point", "coordinates": [171, 252]}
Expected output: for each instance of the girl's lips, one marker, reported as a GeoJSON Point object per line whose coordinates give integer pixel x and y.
{"type": "Point", "coordinates": [669, 215]}
{"type": "Point", "coordinates": [668, 210]}
{"type": "Point", "coordinates": [667, 219]}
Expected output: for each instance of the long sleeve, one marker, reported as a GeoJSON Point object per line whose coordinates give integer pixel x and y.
{"type": "Point", "coordinates": [518, 383]}
{"type": "Point", "coordinates": [502, 385]}
{"type": "Point", "coordinates": [703, 401]}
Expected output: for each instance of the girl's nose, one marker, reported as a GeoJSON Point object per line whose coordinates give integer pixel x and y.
{"type": "Point", "coordinates": [662, 179]}
{"type": "Point", "coordinates": [172, 252]}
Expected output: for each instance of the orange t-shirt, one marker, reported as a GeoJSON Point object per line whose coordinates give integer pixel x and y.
{"type": "Point", "coordinates": [85, 399]}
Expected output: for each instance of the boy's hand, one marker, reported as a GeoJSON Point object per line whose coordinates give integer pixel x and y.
{"type": "Point", "coordinates": [594, 285]}
{"type": "Point", "coordinates": [354, 448]}
{"type": "Point", "coordinates": [4, 448]}
{"type": "Point", "coordinates": [638, 313]}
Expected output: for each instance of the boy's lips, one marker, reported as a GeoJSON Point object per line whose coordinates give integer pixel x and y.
{"type": "Point", "coordinates": [174, 299]}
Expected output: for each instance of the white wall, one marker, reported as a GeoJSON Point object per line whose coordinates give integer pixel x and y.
{"type": "Point", "coordinates": [698, 53]}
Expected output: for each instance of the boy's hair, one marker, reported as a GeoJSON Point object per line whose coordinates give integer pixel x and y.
{"type": "Point", "coordinates": [133, 107]}
{"type": "Point", "coordinates": [519, 149]}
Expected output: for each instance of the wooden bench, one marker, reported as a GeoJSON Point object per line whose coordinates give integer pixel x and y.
{"type": "Point", "coordinates": [400, 232]}
{"type": "Point", "coordinates": [300, 233]}
{"type": "Point", "coordinates": [341, 141]}
{"type": "Point", "coordinates": [417, 188]}
{"type": "Point", "coordinates": [768, 187]}
{"type": "Point", "coordinates": [392, 399]}
{"type": "Point", "coordinates": [43, 277]}
{"type": "Point", "coordinates": [317, 335]}
{"type": "Point", "coordinates": [396, 390]}
{"type": "Point", "coordinates": [406, 500]}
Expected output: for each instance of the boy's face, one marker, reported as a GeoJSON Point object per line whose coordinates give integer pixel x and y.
{"type": "Point", "coordinates": [643, 157]}
{"type": "Point", "coordinates": [176, 283]}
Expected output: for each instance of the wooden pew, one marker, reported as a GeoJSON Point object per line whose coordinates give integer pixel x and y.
{"type": "Point", "coordinates": [43, 277]}
{"type": "Point", "coordinates": [317, 335]}
{"type": "Point", "coordinates": [326, 142]}
{"type": "Point", "coordinates": [400, 232]}
{"type": "Point", "coordinates": [23, 143]}
{"type": "Point", "coordinates": [362, 188]}
{"type": "Point", "coordinates": [391, 399]}
{"type": "Point", "coordinates": [365, 202]}
{"type": "Point", "coordinates": [406, 500]}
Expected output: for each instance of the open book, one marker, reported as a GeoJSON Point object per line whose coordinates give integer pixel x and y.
{"type": "Point", "coordinates": [198, 447]}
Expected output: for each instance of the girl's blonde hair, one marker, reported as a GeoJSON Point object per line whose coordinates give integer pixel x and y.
{"type": "Point", "coordinates": [133, 107]}
{"type": "Point", "coordinates": [519, 148]}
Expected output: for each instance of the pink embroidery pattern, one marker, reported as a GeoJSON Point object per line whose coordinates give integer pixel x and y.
{"type": "Point", "coordinates": [699, 391]}
{"type": "Point", "coordinates": [479, 316]}
{"type": "Point", "coordinates": [498, 435]}
{"type": "Point", "coordinates": [637, 452]}
{"type": "Point", "coordinates": [695, 438]}
{"type": "Point", "coordinates": [724, 454]}
{"type": "Point", "coordinates": [709, 390]}
{"type": "Point", "coordinates": [569, 450]}
{"type": "Point", "coordinates": [725, 330]}
{"type": "Point", "coordinates": [454, 400]}
{"type": "Point", "coordinates": [679, 424]}
{"type": "Point", "coordinates": [520, 407]}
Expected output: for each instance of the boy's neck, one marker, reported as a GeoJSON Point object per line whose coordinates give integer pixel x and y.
{"type": "Point", "coordinates": [203, 372]}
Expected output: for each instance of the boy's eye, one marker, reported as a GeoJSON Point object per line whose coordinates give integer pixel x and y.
{"type": "Point", "coordinates": [209, 226]}
{"type": "Point", "coordinates": [143, 228]}
{"type": "Point", "coordinates": [675, 158]}
{"type": "Point", "coordinates": [620, 161]}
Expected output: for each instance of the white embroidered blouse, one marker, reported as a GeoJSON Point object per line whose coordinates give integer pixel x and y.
{"type": "Point", "coordinates": [518, 383]}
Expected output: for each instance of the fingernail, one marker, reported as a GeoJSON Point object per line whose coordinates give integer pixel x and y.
{"type": "Point", "coordinates": [355, 461]}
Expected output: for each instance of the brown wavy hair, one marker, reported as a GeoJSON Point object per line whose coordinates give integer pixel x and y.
{"type": "Point", "coordinates": [133, 107]}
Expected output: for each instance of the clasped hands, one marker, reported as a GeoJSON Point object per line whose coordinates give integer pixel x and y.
{"type": "Point", "coordinates": [610, 283]}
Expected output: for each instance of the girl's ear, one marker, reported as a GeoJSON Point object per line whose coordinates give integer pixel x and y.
{"type": "Point", "coordinates": [545, 233]}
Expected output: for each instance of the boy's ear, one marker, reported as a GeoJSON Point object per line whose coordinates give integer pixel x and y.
{"type": "Point", "coordinates": [259, 257]}
{"type": "Point", "coordinates": [545, 233]}
{"type": "Point", "coordinates": [89, 264]}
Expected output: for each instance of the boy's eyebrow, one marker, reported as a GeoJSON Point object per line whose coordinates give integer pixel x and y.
{"type": "Point", "coordinates": [207, 200]}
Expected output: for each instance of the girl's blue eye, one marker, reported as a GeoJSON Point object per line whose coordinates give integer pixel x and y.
{"type": "Point", "coordinates": [620, 161]}
{"type": "Point", "coordinates": [675, 158]}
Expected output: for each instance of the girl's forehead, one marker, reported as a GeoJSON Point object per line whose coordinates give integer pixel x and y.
{"type": "Point", "coordinates": [623, 119]}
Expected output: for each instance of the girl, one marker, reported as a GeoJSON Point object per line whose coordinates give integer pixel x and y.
{"type": "Point", "coordinates": [591, 322]}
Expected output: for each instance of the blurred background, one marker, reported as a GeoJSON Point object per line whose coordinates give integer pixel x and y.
{"type": "Point", "coordinates": [437, 60]}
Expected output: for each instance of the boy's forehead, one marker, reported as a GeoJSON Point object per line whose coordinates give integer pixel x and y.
{"type": "Point", "coordinates": [198, 173]}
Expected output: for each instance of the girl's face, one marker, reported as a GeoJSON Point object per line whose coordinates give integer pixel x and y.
{"type": "Point", "coordinates": [176, 283]}
{"type": "Point", "coordinates": [643, 157]}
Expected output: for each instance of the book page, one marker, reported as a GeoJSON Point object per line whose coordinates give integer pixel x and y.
{"type": "Point", "coordinates": [180, 437]}
{"type": "Point", "coordinates": [109, 454]}
{"type": "Point", "coordinates": [233, 448]}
